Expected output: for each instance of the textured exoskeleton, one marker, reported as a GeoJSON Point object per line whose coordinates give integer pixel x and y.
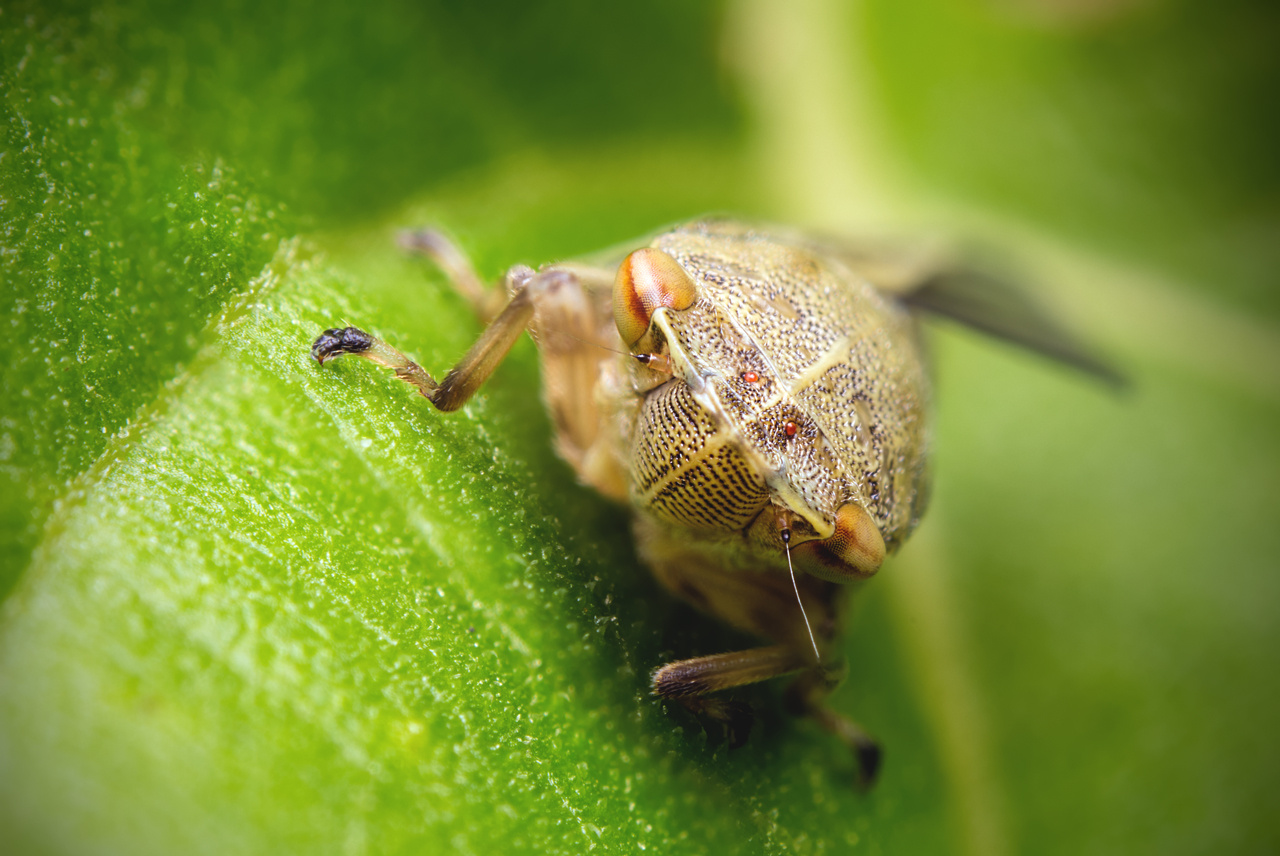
{"type": "Point", "coordinates": [771, 411]}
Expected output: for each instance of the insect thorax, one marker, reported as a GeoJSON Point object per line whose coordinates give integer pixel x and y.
{"type": "Point", "coordinates": [796, 383]}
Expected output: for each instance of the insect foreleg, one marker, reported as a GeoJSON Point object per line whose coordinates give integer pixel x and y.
{"type": "Point", "coordinates": [472, 370]}
{"type": "Point", "coordinates": [701, 675]}
{"type": "Point", "coordinates": [485, 302]}
{"type": "Point", "coordinates": [332, 344]}
{"type": "Point", "coordinates": [806, 696]}
{"type": "Point", "coordinates": [689, 681]}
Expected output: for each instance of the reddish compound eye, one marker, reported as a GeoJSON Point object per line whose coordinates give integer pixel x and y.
{"type": "Point", "coordinates": [750, 377]}
{"type": "Point", "coordinates": [790, 427]}
{"type": "Point", "coordinates": [648, 279]}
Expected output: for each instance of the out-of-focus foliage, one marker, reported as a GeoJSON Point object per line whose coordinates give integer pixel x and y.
{"type": "Point", "coordinates": [260, 606]}
{"type": "Point", "coordinates": [1139, 128]}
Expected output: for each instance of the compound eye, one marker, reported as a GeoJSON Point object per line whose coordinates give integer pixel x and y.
{"type": "Point", "coordinates": [854, 551]}
{"type": "Point", "coordinates": [647, 279]}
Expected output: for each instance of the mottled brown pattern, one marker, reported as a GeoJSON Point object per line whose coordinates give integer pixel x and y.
{"type": "Point", "coordinates": [685, 473]}
{"type": "Point", "coordinates": [834, 356]}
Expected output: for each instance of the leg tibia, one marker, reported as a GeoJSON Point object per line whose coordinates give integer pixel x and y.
{"type": "Point", "coordinates": [486, 354]}
{"type": "Point", "coordinates": [485, 302]}
{"type": "Point", "coordinates": [701, 675]}
{"type": "Point", "coordinates": [689, 682]}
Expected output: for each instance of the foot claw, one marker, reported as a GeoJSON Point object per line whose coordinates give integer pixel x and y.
{"type": "Point", "coordinates": [339, 341]}
{"type": "Point", "coordinates": [869, 756]}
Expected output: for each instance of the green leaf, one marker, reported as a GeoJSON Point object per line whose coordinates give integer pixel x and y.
{"type": "Point", "coordinates": [116, 253]}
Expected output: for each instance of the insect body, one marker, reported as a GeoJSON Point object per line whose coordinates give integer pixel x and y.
{"type": "Point", "coordinates": [769, 416]}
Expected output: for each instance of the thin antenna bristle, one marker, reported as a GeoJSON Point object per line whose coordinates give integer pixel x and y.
{"type": "Point", "coordinates": [657, 362]}
{"type": "Point", "coordinates": [786, 542]}
{"type": "Point", "coordinates": [560, 332]}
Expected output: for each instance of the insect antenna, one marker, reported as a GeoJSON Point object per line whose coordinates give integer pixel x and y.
{"type": "Point", "coordinates": [786, 542]}
{"type": "Point", "coordinates": [657, 362]}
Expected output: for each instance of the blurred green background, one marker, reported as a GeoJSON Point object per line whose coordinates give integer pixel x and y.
{"type": "Point", "coordinates": [252, 606]}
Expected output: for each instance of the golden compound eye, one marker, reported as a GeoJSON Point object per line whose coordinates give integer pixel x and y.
{"type": "Point", "coordinates": [647, 279]}
{"type": "Point", "coordinates": [790, 428]}
{"type": "Point", "coordinates": [750, 377]}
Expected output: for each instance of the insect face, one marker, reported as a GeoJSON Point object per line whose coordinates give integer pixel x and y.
{"type": "Point", "coordinates": [732, 447]}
